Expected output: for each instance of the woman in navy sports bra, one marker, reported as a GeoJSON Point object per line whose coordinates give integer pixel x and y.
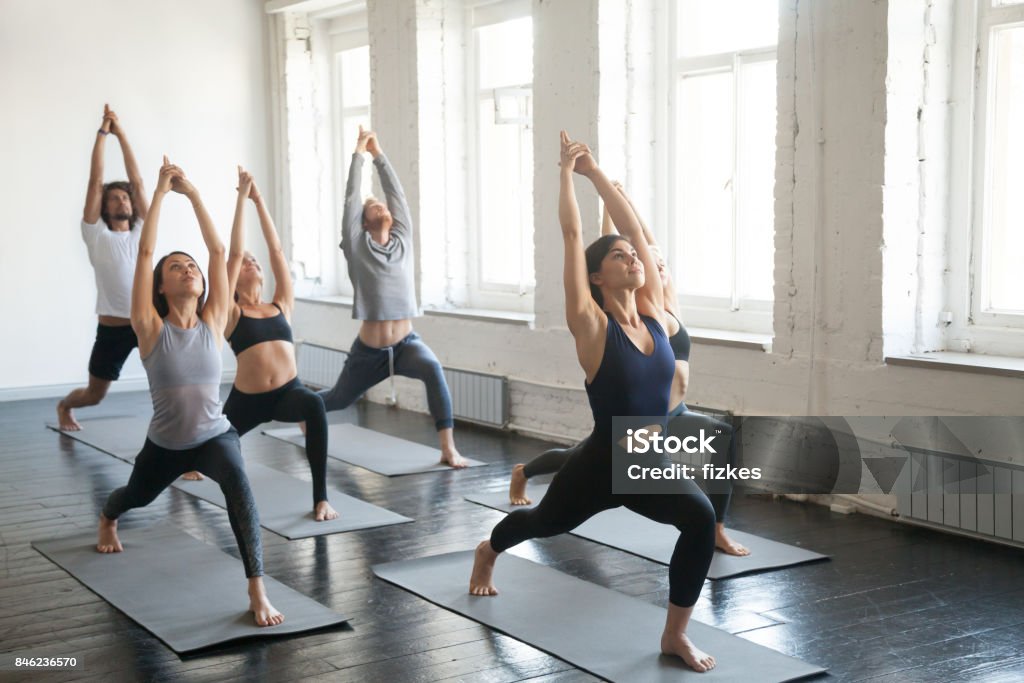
{"type": "Point", "coordinates": [266, 385]}
{"type": "Point", "coordinates": [617, 317]}
{"type": "Point", "coordinates": [719, 492]}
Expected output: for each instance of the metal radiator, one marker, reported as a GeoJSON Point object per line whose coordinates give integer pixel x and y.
{"type": "Point", "coordinates": [476, 396]}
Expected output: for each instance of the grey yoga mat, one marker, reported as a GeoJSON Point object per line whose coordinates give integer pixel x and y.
{"type": "Point", "coordinates": [626, 530]}
{"type": "Point", "coordinates": [121, 437]}
{"type": "Point", "coordinates": [286, 504]}
{"type": "Point", "coordinates": [188, 594]}
{"type": "Point", "coordinates": [377, 452]}
{"type": "Point", "coordinates": [608, 634]}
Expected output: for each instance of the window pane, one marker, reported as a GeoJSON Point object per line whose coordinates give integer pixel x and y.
{"type": "Point", "coordinates": [755, 171]}
{"type": "Point", "coordinates": [713, 26]}
{"type": "Point", "coordinates": [355, 77]}
{"type": "Point", "coordinates": [1004, 238]}
{"type": "Point", "coordinates": [505, 53]}
{"type": "Point", "coordinates": [704, 160]}
{"type": "Point", "coordinates": [505, 193]}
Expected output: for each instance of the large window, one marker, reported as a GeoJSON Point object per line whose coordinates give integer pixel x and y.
{"type": "Point", "coordinates": [500, 109]}
{"type": "Point", "coordinates": [987, 238]}
{"type": "Point", "coordinates": [352, 109]}
{"type": "Point", "coordinates": [722, 165]}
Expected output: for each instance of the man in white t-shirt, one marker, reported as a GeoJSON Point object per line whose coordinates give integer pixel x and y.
{"type": "Point", "coordinates": [111, 225]}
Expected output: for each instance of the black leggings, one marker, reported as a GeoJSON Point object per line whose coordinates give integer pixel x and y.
{"type": "Point", "coordinates": [289, 403]}
{"type": "Point", "coordinates": [719, 491]}
{"type": "Point", "coordinates": [220, 459]}
{"type": "Point", "coordinates": [582, 488]}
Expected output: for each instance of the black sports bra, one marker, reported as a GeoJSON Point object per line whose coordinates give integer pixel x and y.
{"type": "Point", "coordinates": [251, 331]}
{"type": "Point", "coordinates": [680, 342]}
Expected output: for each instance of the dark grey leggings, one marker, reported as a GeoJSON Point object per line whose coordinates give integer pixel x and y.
{"type": "Point", "coordinates": [291, 402]}
{"type": "Point", "coordinates": [719, 491]}
{"type": "Point", "coordinates": [582, 488]}
{"type": "Point", "coordinates": [220, 459]}
{"type": "Point", "coordinates": [366, 366]}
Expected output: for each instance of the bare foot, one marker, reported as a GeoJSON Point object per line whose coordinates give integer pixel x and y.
{"type": "Point", "coordinates": [679, 645]}
{"type": "Point", "coordinates": [517, 487]}
{"type": "Point", "coordinates": [481, 581]}
{"type": "Point", "coordinates": [66, 419]}
{"type": "Point", "coordinates": [451, 457]}
{"type": "Point", "coordinates": [192, 476]}
{"type": "Point", "coordinates": [108, 541]}
{"type": "Point", "coordinates": [302, 427]}
{"type": "Point", "coordinates": [260, 606]}
{"type": "Point", "coordinates": [726, 544]}
{"type": "Point", "coordinates": [324, 511]}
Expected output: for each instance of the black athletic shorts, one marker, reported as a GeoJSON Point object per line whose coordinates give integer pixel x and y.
{"type": "Point", "coordinates": [111, 349]}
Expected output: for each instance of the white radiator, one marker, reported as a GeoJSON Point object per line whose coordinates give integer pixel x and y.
{"type": "Point", "coordinates": [476, 396]}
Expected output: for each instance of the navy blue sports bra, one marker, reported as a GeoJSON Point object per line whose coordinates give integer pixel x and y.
{"type": "Point", "coordinates": [629, 382]}
{"type": "Point", "coordinates": [251, 331]}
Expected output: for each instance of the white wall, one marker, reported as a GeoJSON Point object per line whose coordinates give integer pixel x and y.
{"type": "Point", "coordinates": [187, 78]}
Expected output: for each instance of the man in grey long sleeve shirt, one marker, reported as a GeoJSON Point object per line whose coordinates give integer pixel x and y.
{"type": "Point", "coordinates": [376, 239]}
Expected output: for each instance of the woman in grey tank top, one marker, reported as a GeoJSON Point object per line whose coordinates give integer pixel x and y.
{"type": "Point", "coordinates": [180, 329]}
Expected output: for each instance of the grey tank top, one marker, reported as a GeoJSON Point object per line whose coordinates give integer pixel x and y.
{"type": "Point", "coordinates": [184, 371]}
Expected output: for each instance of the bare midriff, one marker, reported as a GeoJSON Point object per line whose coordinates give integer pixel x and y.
{"type": "Point", "coordinates": [114, 321]}
{"type": "Point", "coordinates": [679, 383]}
{"type": "Point", "coordinates": [265, 367]}
{"type": "Point", "coordinates": [380, 333]}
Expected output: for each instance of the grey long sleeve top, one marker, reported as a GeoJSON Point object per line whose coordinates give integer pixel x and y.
{"type": "Point", "coordinates": [382, 275]}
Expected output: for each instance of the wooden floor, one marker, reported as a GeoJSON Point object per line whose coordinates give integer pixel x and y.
{"type": "Point", "coordinates": [896, 603]}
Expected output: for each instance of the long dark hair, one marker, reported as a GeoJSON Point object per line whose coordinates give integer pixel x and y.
{"type": "Point", "coordinates": [595, 254]}
{"type": "Point", "coordinates": [118, 185]}
{"type": "Point", "coordinates": [159, 300]}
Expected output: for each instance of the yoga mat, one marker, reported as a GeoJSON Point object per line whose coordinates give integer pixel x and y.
{"type": "Point", "coordinates": [188, 594]}
{"type": "Point", "coordinates": [626, 530]}
{"type": "Point", "coordinates": [608, 634]}
{"type": "Point", "coordinates": [377, 452]}
{"type": "Point", "coordinates": [286, 504]}
{"type": "Point", "coordinates": [121, 437]}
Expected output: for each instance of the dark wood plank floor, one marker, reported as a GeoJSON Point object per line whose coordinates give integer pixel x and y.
{"type": "Point", "coordinates": [896, 603]}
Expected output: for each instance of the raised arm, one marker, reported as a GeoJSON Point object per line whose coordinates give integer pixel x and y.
{"type": "Point", "coordinates": [650, 298]}
{"type": "Point", "coordinates": [94, 191]}
{"type": "Point", "coordinates": [394, 195]}
{"type": "Point", "coordinates": [145, 320]}
{"type": "Point", "coordinates": [139, 200]}
{"type": "Point", "coordinates": [236, 252]}
{"type": "Point", "coordinates": [218, 296]}
{"type": "Point", "coordinates": [284, 293]}
{"type": "Point", "coordinates": [352, 219]}
{"type": "Point", "coordinates": [582, 313]}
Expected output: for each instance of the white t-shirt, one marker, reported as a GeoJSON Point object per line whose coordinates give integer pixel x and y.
{"type": "Point", "coordinates": [113, 255]}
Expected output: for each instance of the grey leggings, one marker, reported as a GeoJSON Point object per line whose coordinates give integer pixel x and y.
{"type": "Point", "coordinates": [367, 366]}
{"type": "Point", "coordinates": [719, 491]}
{"type": "Point", "coordinates": [220, 458]}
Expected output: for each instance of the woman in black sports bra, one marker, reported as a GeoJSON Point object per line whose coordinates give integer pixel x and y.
{"type": "Point", "coordinates": [266, 385]}
{"type": "Point", "coordinates": [719, 492]}
{"type": "Point", "coordinates": [617, 317]}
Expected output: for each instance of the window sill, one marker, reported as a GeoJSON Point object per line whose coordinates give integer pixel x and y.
{"type": "Point", "coordinates": [480, 314]}
{"type": "Point", "coordinates": [1003, 366]}
{"type": "Point", "coordinates": [736, 340]}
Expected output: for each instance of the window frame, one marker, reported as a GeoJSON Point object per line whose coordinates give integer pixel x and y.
{"type": "Point", "coordinates": [972, 328]}
{"type": "Point", "coordinates": [481, 293]}
{"type": "Point", "coordinates": [732, 313]}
